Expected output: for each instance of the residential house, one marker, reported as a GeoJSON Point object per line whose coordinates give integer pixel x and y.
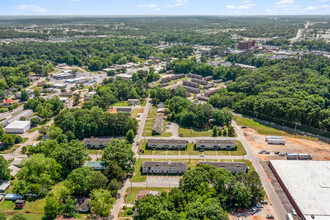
{"type": "Point", "coordinates": [4, 185]}
{"type": "Point", "coordinates": [233, 167]}
{"type": "Point", "coordinates": [191, 89]}
{"type": "Point", "coordinates": [203, 144]}
{"type": "Point", "coordinates": [96, 165]}
{"type": "Point", "coordinates": [199, 81]}
{"type": "Point", "coordinates": [164, 144]}
{"type": "Point", "coordinates": [133, 101]}
{"type": "Point", "coordinates": [208, 78]}
{"type": "Point", "coordinates": [96, 142]}
{"type": "Point", "coordinates": [158, 123]}
{"type": "Point", "coordinates": [9, 102]}
{"type": "Point", "coordinates": [144, 193]}
{"type": "Point", "coordinates": [82, 205]}
{"type": "Point", "coordinates": [190, 84]}
{"type": "Point", "coordinates": [195, 76]}
{"type": "Point", "coordinates": [168, 167]}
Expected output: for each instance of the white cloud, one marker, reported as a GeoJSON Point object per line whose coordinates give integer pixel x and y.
{"type": "Point", "coordinates": [74, 0]}
{"type": "Point", "coordinates": [282, 2]}
{"type": "Point", "coordinates": [177, 3]}
{"type": "Point", "coordinates": [240, 7]}
{"type": "Point", "coordinates": [158, 9]}
{"type": "Point", "coordinates": [230, 6]}
{"type": "Point", "coordinates": [147, 6]}
{"type": "Point", "coordinates": [31, 8]}
{"type": "Point", "coordinates": [314, 8]}
{"type": "Point", "coordinates": [245, 2]}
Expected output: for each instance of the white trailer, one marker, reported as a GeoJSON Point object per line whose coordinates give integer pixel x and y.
{"type": "Point", "coordinates": [292, 156]}
{"type": "Point", "coordinates": [276, 141]}
{"type": "Point", "coordinates": [273, 137]}
{"type": "Point", "coordinates": [304, 156]}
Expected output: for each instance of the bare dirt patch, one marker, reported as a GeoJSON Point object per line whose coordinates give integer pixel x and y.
{"type": "Point", "coordinates": [319, 150]}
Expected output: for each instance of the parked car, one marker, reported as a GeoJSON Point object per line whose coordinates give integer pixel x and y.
{"type": "Point", "coordinates": [270, 217]}
{"type": "Point", "coordinates": [264, 202]}
{"type": "Point", "coordinates": [243, 126]}
{"type": "Point", "coordinates": [281, 154]}
{"type": "Point", "coordinates": [276, 152]}
{"type": "Point", "coordinates": [294, 212]}
{"type": "Point", "coordinates": [260, 152]}
{"type": "Point", "coordinates": [259, 206]}
{"type": "Point", "coordinates": [201, 155]}
{"type": "Point", "coordinates": [267, 152]}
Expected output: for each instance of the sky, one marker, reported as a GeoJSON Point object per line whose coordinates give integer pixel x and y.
{"type": "Point", "coordinates": [164, 7]}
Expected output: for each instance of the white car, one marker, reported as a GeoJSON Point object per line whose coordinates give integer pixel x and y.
{"type": "Point", "coordinates": [294, 212]}
{"type": "Point", "coordinates": [201, 155]}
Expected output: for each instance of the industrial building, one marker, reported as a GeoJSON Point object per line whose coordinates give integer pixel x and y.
{"type": "Point", "coordinates": [246, 45]}
{"type": "Point", "coordinates": [64, 75]}
{"type": "Point", "coordinates": [24, 113]}
{"type": "Point", "coordinates": [18, 127]}
{"type": "Point", "coordinates": [307, 185]}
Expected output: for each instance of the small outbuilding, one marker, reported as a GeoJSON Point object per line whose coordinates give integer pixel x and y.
{"type": "Point", "coordinates": [19, 204]}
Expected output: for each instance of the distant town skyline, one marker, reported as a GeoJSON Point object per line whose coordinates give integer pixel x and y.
{"type": "Point", "coordinates": [165, 7]}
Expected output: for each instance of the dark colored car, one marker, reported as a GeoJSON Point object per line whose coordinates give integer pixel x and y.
{"type": "Point", "coordinates": [270, 217]}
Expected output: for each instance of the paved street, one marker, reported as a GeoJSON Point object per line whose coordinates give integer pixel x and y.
{"type": "Point", "coordinates": [268, 187]}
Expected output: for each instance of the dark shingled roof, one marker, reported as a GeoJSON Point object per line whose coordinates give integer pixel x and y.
{"type": "Point", "coordinates": [167, 141]}
{"type": "Point", "coordinates": [167, 164]}
{"type": "Point", "coordinates": [225, 165]}
{"type": "Point", "coordinates": [210, 141]}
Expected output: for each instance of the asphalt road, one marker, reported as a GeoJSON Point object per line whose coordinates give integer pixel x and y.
{"type": "Point", "coordinates": [268, 187]}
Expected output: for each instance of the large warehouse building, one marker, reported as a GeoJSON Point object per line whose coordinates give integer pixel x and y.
{"type": "Point", "coordinates": [18, 127]}
{"type": "Point", "coordinates": [307, 185]}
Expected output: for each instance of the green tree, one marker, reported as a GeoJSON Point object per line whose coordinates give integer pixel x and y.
{"type": "Point", "coordinates": [130, 136]}
{"type": "Point", "coordinates": [68, 208]}
{"type": "Point", "coordinates": [224, 132]}
{"type": "Point", "coordinates": [52, 206]}
{"type": "Point", "coordinates": [101, 201]}
{"type": "Point", "coordinates": [119, 152]}
{"type": "Point", "coordinates": [215, 131]}
{"type": "Point", "coordinates": [220, 133]}
{"type": "Point", "coordinates": [7, 140]}
{"type": "Point", "coordinates": [231, 131]}
{"type": "Point", "coordinates": [99, 181]}
{"type": "Point", "coordinates": [24, 95]}
{"type": "Point", "coordinates": [36, 92]}
{"type": "Point", "coordinates": [4, 170]}
{"type": "Point", "coordinates": [79, 181]}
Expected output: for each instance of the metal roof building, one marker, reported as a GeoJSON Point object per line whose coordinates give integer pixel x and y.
{"type": "Point", "coordinates": [307, 185]}
{"type": "Point", "coordinates": [18, 127]}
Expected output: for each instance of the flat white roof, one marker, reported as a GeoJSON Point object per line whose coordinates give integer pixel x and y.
{"type": "Point", "coordinates": [308, 182]}
{"type": "Point", "coordinates": [18, 124]}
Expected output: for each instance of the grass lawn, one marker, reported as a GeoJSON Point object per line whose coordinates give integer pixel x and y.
{"type": "Point", "coordinates": [136, 111]}
{"type": "Point", "coordinates": [177, 80]}
{"type": "Point", "coordinates": [260, 128]}
{"type": "Point", "coordinates": [9, 150]}
{"type": "Point", "coordinates": [38, 205]}
{"type": "Point", "coordinates": [194, 132]}
{"type": "Point", "coordinates": [152, 113]}
{"type": "Point", "coordinates": [240, 149]}
{"type": "Point", "coordinates": [93, 152]}
{"type": "Point", "coordinates": [137, 176]}
{"type": "Point", "coordinates": [123, 213]}
{"type": "Point", "coordinates": [132, 192]}
{"type": "Point", "coordinates": [33, 129]}
{"type": "Point", "coordinates": [29, 216]}
{"type": "Point", "coordinates": [124, 103]}
{"type": "Point", "coordinates": [24, 140]}
{"type": "Point", "coordinates": [9, 206]}
{"type": "Point", "coordinates": [190, 148]}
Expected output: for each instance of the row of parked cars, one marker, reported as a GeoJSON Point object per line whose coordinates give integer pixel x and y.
{"type": "Point", "coordinates": [255, 209]}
